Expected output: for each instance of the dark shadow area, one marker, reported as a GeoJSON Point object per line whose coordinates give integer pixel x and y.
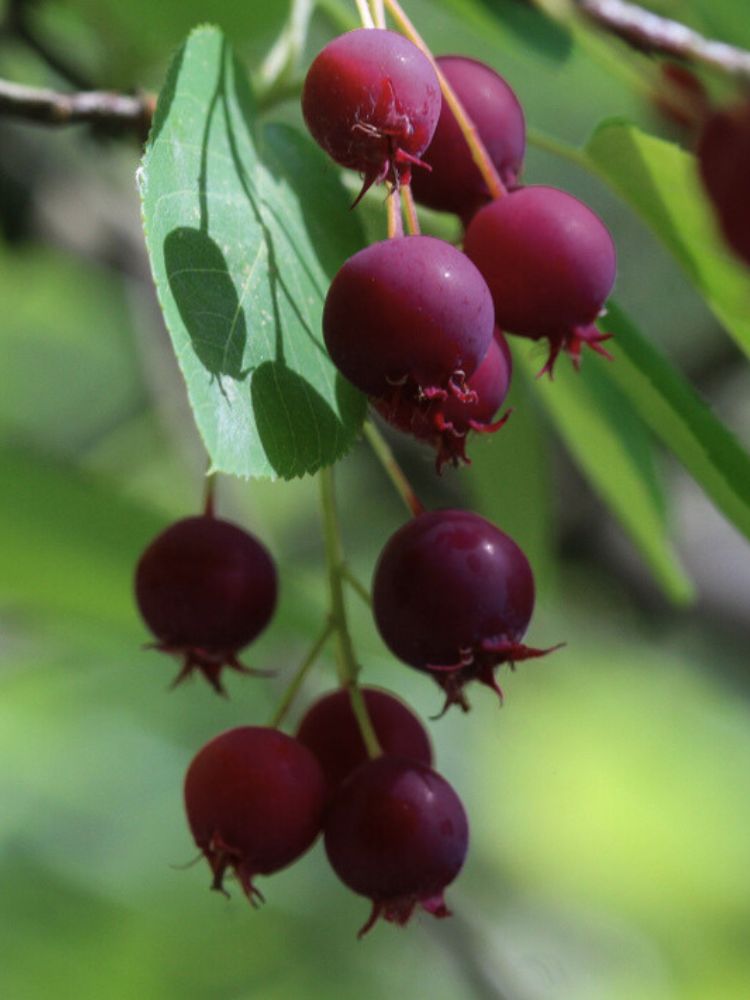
{"type": "Point", "coordinates": [298, 429]}
{"type": "Point", "coordinates": [533, 29]}
{"type": "Point", "coordinates": [166, 96]}
{"type": "Point", "coordinates": [320, 194]}
{"type": "Point", "coordinates": [207, 300]}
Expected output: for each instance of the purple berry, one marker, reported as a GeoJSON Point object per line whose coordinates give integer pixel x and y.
{"type": "Point", "coordinates": [372, 100]}
{"type": "Point", "coordinates": [331, 731]}
{"type": "Point", "coordinates": [446, 425]}
{"type": "Point", "coordinates": [206, 588]}
{"type": "Point", "coordinates": [550, 264]}
{"type": "Point", "coordinates": [724, 162]}
{"type": "Point", "coordinates": [254, 799]}
{"type": "Point", "coordinates": [453, 596]}
{"type": "Point", "coordinates": [455, 184]}
{"type": "Point", "coordinates": [408, 317]}
{"type": "Point", "coordinates": [397, 834]}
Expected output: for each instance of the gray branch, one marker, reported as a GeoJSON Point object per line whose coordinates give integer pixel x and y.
{"type": "Point", "coordinates": [652, 33]}
{"type": "Point", "coordinates": [111, 111]}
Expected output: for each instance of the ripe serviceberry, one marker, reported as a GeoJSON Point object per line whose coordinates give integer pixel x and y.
{"type": "Point", "coordinates": [550, 264]}
{"type": "Point", "coordinates": [331, 731]}
{"type": "Point", "coordinates": [724, 162]}
{"type": "Point", "coordinates": [372, 100]}
{"type": "Point", "coordinates": [397, 833]}
{"type": "Point", "coordinates": [446, 424]}
{"type": "Point", "coordinates": [455, 183]}
{"type": "Point", "coordinates": [206, 588]}
{"type": "Point", "coordinates": [254, 799]}
{"type": "Point", "coordinates": [409, 317]}
{"type": "Point", "coordinates": [453, 596]}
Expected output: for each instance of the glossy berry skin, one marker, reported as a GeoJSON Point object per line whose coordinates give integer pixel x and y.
{"type": "Point", "coordinates": [397, 834]}
{"type": "Point", "coordinates": [330, 730]}
{"type": "Point", "coordinates": [724, 163]}
{"type": "Point", "coordinates": [254, 800]}
{"type": "Point", "coordinates": [206, 588]}
{"type": "Point", "coordinates": [372, 100]}
{"type": "Point", "coordinates": [550, 264]}
{"type": "Point", "coordinates": [454, 184]}
{"type": "Point", "coordinates": [446, 424]}
{"type": "Point", "coordinates": [409, 316]}
{"type": "Point", "coordinates": [453, 596]}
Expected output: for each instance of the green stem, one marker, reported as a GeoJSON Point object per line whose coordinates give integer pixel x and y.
{"type": "Point", "coordinates": [477, 148]}
{"type": "Point", "coordinates": [383, 451]}
{"type": "Point", "coordinates": [348, 668]}
{"type": "Point", "coordinates": [291, 692]}
{"type": "Point", "coordinates": [558, 147]}
{"type": "Point", "coordinates": [209, 500]}
{"type": "Point", "coordinates": [357, 586]}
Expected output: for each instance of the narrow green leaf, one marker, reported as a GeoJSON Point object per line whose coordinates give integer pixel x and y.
{"type": "Point", "coordinates": [244, 233]}
{"type": "Point", "coordinates": [613, 449]}
{"type": "Point", "coordinates": [660, 181]}
{"type": "Point", "coordinates": [684, 422]}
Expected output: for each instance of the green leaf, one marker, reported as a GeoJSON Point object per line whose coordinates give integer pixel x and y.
{"type": "Point", "coordinates": [660, 181]}
{"type": "Point", "coordinates": [684, 422]}
{"type": "Point", "coordinates": [613, 449]}
{"type": "Point", "coordinates": [244, 233]}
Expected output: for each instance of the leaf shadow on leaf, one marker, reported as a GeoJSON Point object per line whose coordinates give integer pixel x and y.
{"type": "Point", "coordinates": [166, 95]}
{"type": "Point", "coordinates": [319, 193]}
{"type": "Point", "coordinates": [277, 392]}
{"type": "Point", "coordinates": [207, 300]}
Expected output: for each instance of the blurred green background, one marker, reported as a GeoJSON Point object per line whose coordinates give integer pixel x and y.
{"type": "Point", "coordinates": [609, 797]}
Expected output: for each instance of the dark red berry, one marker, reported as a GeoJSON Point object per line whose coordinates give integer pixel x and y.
{"type": "Point", "coordinates": [408, 317]}
{"type": "Point", "coordinates": [372, 100]}
{"type": "Point", "coordinates": [455, 184]}
{"type": "Point", "coordinates": [254, 799]}
{"type": "Point", "coordinates": [206, 588]}
{"type": "Point", "coordinates": [398, 834]}
{"type": "Point", "coordinates": [446, 424]}
{"type": "Point", "coordinates": [453, 596]}
{"type": "Point", "coordinates": [331, 731]}
{"type": "Point", "coordinates": [724, 161]}
{"type": "Point", "coordinates": [681, 96]}
{"type": "Point", "coordinates": [550, 264]}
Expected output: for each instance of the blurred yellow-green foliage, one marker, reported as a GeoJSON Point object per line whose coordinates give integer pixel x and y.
{"type": "Point", "coordinates": [609, 798]}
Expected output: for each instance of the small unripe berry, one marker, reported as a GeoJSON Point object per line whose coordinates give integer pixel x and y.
{"type": "Point", "coordinates": [397, 834]}
{"type": "Point", "coordinates": [254, 799]}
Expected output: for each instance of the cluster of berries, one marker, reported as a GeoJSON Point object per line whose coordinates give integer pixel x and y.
{"type": "Point", "coordinates": [452, 597]}
{"type": "Point", "coordinates": [415, 324]}
{"type": "Point", "coordinates": [412, 321]}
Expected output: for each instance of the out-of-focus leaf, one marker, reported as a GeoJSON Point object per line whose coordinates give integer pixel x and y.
{"type": "Point", "coordinates": [244, 237]}
{"type": "Point", "coordinates": [613, 449]}
{"type": "Point", "coordinates": [64, 335]}
{"type": "Point", "coordinates": [64, 540]}
{"type": "Point", "coordinates": [660, 181]}
{"type": "Point", "coordinates": [684, 422]}
{"type": "Point", "coordinates": [132, 38]}
{"type": "Point", "coordinates": [510, 479]}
